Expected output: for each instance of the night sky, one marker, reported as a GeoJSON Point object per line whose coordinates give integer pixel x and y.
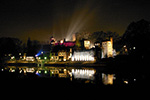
{"type": "Point", "coordinates": [40, 19]}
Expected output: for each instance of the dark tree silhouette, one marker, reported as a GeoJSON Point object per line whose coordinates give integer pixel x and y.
{"type": "Point", "coordinates": [10, 46]}
{"type": "Point", "coordinates": [33, 47]}
{"type": "Point", "coordinates": [101, 35]}
{"type": "Point", "coordinates": [137, 37]}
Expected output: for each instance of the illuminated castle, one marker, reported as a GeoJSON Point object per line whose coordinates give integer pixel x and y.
{"type": "Point", "coordinates": [107, 48]}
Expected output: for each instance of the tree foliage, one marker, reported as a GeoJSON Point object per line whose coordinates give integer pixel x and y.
{"type": "Point", "coordinates": [100, 36]}
{"type": "Point", "coordinates": [33, 47]}
{"type": "Point", "coordinates": [10, 46]}
{"type": "Point", "coordinates": [137, 35]}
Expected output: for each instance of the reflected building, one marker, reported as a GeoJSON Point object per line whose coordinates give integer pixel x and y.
{"type": "Point", "coordinates": [22, 69]}
{"type": "Point", "coordinates": [52, 72]}
{"type": "Point", "coordinates": [72, 74]}
{"type": "Point", "coordinates": [83, 74]}
{"type": "Point", "coordinates": [107, 79]}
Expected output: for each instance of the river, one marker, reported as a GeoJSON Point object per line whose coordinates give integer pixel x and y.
{"type": "Point", "coordinates": [67, 76]}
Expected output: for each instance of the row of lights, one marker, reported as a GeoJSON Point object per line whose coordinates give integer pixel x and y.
{"type": "Point", "coordinates": [82, 58]}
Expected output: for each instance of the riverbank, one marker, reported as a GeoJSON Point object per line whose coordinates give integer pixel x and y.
{"type": "Point", "coordinates": [66, 63]}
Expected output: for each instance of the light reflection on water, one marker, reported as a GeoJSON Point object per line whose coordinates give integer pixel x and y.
{"type": "Point", "coordinates": [73, 75]}
{"type": "Point", "coordinates": [88, 75]}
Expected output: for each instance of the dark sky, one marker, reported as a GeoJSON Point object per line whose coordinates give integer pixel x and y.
{"type": "Point", "coordinates": [40, 19]}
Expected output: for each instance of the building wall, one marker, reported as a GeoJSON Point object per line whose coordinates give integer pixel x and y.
{"type": "Point", "coordinates": [104, 49]}
{"type": "Point", "coordinates": [62, 54]}
{"type": "Point", "coordinates": [87, 44]}
{"type": "Point", "coordinates": [54, 57]}
{"type": "Point", "coordinates": [107, 49]}
{"type": "Point", "coordinates": [83, 56]}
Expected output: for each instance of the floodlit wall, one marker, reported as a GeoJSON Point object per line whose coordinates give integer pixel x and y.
{"type": "Point", "coordinates": [107, 49]}
{"type": "Point", "coordinates": [87, 44]}
{"type": "Point", "coordinates": [83, 56]}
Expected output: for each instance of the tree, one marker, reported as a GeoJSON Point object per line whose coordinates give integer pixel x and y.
{"type": "Point", "coordinates": [136, 38]}
{"type": "Point", "coordinates": [83, 35]}
{"type": "Point", "coordinates": [99, 36]}
{"type": "Point", "coordinates": [29, 47]}
{"type": "Point", "coordinates": [33, 47]}
{"type": "Point", "coordinates": [10, 46]}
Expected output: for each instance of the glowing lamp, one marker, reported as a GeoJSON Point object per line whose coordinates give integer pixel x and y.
{"type": "Point", "coordinates": [61, 41]}
{"type": "Point", "coordinates": [45, 58]}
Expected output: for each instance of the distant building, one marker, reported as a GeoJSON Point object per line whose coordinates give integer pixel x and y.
{"type": "Point", "coordinates": [61, 50]}
{"type": "Point", "coordinates": [107, 48]}
{"type": "Point", "coordinates": [86, 44]}
{"type": "Point", "coordinates": [61, 53]}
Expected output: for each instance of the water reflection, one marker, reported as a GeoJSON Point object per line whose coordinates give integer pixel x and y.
{"type": "Point", "coordinates": [22, 69]}
{"type": "Point", "coordinates": [74, 74]}
{"type": "Point", "coordinates": [108, 78]}
{"type": "Point", "coordinates": [84, 73]}
{"type": "Point", "coordinates": [52, 72]}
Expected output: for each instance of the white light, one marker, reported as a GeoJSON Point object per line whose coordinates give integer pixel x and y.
{"type": "Point", "coordinates": [37, 72]}
{"type": "Point", "coordinates": [20, 71]}
{"type": "Point", "coordinates": [83, 73]}
{"type": "Point", "coordinates": [83, 56]}
{"type": "Point", "coordinates": [30, 58]}
{"type": "Point", "coordinates": [61, 41]}
{"type": "Point", "coordinates": [64, 59]}
{"type": "Point", "coordinates": [13, 57]}
{"type": "Point", "coordinates": [126, 82]}
{"type": "Point", "coordinates": [45, 72]}
{"type": "Point", "coordinates": [45, 58]}
{"type": "Point", "coordinates": [72, 70]}
{"type": "Point", "coordinates": [19, 53]}
{"type": "Point", "coordinates": [72, 58]}
{"type": "Point", "coordinates": [13, 70]}
{"type": "Point", "coordinates": [90, 74]}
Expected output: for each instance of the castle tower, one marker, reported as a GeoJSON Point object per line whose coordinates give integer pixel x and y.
{"type": "Point", "coordinates": [107, 48]}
